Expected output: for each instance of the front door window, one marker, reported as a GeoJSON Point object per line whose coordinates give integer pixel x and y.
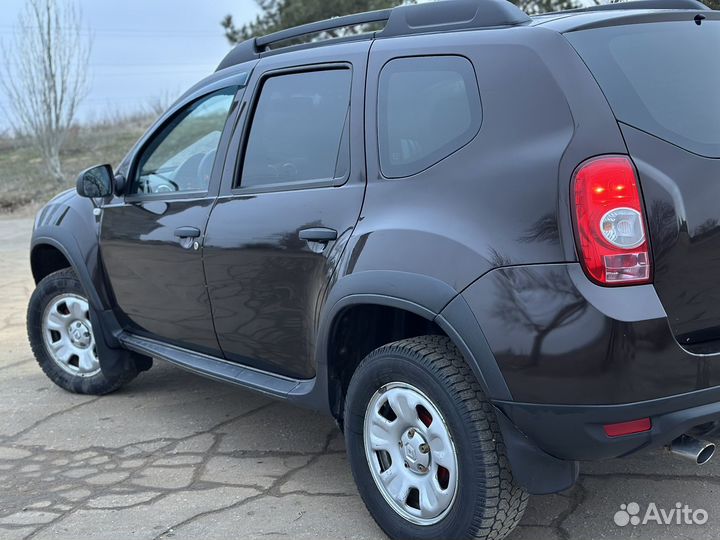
{"type": "Point", "coordinates": [181, 157]}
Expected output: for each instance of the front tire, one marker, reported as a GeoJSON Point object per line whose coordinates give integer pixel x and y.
{"type": "Point", "coordinates": [62, 338]}
{"type": "Point", "coordinates": [425, 447]}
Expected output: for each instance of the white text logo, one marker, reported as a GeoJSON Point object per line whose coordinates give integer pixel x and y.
{"type": "Point", "coordinates": [681, 514]}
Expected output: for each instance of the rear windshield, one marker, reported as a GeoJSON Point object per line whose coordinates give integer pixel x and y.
{"type": "Point", "coordinates": [662, 78]}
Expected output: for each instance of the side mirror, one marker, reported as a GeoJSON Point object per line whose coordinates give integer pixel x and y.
{"type": "Point", "coordinates": [96, 182]}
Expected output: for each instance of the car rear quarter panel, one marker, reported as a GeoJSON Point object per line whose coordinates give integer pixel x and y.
{"type": "Point", "coordinates": [496, 201]}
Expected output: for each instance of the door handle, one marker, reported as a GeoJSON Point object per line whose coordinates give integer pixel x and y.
{"type": "Point", "coordinates": [318, 234]}
{"type": "Point", "coordinates": [187, 232]}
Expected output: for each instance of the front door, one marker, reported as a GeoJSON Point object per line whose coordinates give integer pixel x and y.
{"type": "Point", "coordinates": [291, 197]}
{"type": "Point", "coordinates": [151, 241]}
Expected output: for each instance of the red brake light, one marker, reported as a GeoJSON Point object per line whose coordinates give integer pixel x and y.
{"type": "Point", "coordinates": [610, 221]}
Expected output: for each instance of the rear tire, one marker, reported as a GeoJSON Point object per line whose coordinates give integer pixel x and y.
{"type": "Point", "coordinates": [62, 338]}
{"type": "Point", "coordinates": [441, 410]}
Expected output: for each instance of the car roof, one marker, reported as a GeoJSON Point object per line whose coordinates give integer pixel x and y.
{"type": "Point", "coordinates": [452, 15]}
{"type": "Point", "coordinates": [574, 20]}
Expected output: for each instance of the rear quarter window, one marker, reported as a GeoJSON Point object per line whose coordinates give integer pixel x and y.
{"type": "Point", "coordinates": [662, 78]}
{"type": "Point", "coordinates": [428, 108]}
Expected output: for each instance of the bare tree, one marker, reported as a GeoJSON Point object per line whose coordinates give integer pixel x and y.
{"type": "Point", "coordinates": [45, 75]}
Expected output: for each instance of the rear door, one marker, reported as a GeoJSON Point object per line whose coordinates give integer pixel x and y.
{"type": "Point", "coordinates": [662, 79]}
{"type": "Point", "coordinates": [151, 239]}
{"type": "Point", "coordinates": [292, 191]}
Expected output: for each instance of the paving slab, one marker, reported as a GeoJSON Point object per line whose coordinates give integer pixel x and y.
{"type": "Point", "coordinates": [176, 456]}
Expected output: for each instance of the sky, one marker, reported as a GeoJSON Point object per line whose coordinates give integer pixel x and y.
{"type": "Point", "coordinates": [144, 50]}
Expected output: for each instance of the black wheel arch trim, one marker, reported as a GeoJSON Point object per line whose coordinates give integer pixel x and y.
{"type": "Point", "coordinates": [422, 295]}
{"type": "Point", "coordinates": [458, 321]}
{"type": "Point", "coordinates": [65, 242]}
{"type": "Point", "coordinates": [67, 245]}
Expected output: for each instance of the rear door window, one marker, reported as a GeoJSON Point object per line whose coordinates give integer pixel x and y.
{"type": "Point", "coordinates": [300, 130]}
{"type": "Point", "coordinates": [662, 78]}
{"type": "Point", "coordinates": [428, 108]}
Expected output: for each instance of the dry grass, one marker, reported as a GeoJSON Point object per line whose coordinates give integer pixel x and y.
{"type": "Point", "coordinates": [23, 181]}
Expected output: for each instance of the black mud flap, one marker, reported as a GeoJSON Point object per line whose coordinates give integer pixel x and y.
{"type": "Point", "coordinates": [115, 361]}
{"type": "Point", "coordinates": [536, 471]}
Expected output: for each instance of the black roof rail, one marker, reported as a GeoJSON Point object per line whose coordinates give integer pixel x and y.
{"type": "Point", "coordinates": [645, 4]}
{"type": "Point", "coordinates": [251, 49]}
{"type": "Point", "coordinates": [399, 21]}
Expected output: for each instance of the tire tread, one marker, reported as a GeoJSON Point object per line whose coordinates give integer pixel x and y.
{"type": "Point", "coordinates": [505, 501]}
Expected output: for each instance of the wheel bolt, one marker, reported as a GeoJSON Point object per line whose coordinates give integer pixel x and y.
{"type": "Point", "coordinates": [407, 465]}
{"type": "Point", "coordinates": [401, 444]}
{"type": "Point", "coordinates": [424, 448]}
{"type": "Point", "coordinates": [421, 468]}
{"type": "Point", "coordinates": [411, 433]}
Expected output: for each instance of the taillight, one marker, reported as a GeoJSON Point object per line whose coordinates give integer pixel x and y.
{"type": "Point", "coordinates": [610, 222]}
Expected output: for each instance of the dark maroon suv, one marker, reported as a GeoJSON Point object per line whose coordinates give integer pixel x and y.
{"type": "Point", "coordinates": [488, 244]}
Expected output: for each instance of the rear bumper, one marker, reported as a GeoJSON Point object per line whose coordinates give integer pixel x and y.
{"type": "Point", "coordinates": [575, 432]}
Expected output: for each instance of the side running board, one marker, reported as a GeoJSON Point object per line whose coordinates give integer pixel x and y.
{"type": "Point", "coordinates": [219, 369]}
